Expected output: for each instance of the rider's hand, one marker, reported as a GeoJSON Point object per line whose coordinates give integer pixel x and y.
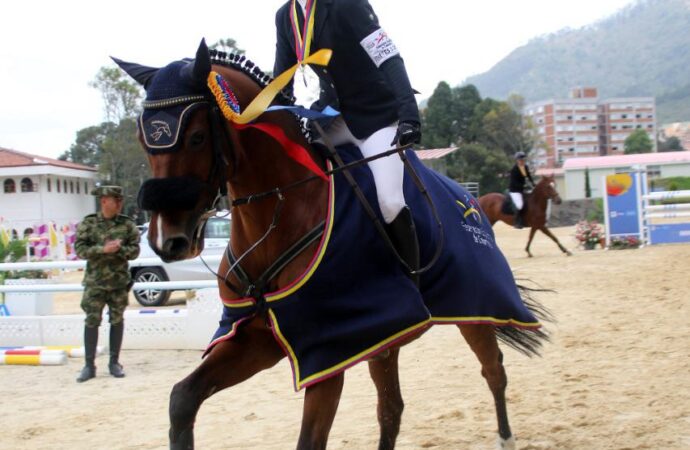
{"type": "Point", "coordinates": [408, 133]}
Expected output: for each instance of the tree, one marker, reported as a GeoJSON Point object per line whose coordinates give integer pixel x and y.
{"type": "Point", "coordinates": [88, 147]}
{"type": "Point", "coordinates": [502, 127]}
{"type": "Point", "coordinates": [113, 146]}
{"type": "Point", "coordinates": [437, 119]}
{"type": "Point", "coordinates": [638, 142]}
{"type": "Point", "coordinates": [465, 101]}
{"type": "Point", "coordinates": [671, 144]}
{"type": "Point", "coordinates": [588, 188]}
{"type": "Point", "coordinates": [121, 96]}
{"type": "Point", "coordinates": [474, 162]}
{"type": "Point", "coordinates": [123, 162]}
{"type": "Point", "coordinates": [227, 45]}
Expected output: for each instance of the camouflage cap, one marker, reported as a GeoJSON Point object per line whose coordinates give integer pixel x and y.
{"type": "Point", "coordinates": [107, 191]}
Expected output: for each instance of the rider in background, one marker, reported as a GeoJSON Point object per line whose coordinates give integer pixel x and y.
{"type": "Point", "coordinates": [367, 82]}
{"type": "Point", "coordinates": [519, 174]}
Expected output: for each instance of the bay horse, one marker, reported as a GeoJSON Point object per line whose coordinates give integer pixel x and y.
{"type": "Point", "coordinates": [497, 207]}
{"type": "Point", "coordinates": [196, 155]}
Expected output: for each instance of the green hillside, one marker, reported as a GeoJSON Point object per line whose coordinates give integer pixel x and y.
{"type": "Point", "coordinates": [644, 50]}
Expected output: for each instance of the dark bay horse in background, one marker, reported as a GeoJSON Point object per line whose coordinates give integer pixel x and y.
{"type": "Point", "coordinates": [496, 207]}
{"type": "Point", "coordinates": [205, 154]}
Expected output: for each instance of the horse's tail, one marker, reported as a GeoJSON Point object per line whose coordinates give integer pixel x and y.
{"type": "Point", "coordinates": [528, 341]}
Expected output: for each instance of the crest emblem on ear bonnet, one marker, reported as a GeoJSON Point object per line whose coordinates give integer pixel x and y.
{"type": "Point", "coordinates": [172, 93]}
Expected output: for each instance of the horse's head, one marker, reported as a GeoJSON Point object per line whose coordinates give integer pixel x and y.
{"type": "Point", "coordinates": [547, 188]}
{"type": "Point", "coordinates": [177, 129]}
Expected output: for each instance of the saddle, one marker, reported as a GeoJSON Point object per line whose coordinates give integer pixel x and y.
{"type": "Point", "coordinates": [508, 206]}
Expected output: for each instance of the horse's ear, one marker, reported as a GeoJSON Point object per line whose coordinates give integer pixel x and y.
{"type": "Point", "coordinates": [202, 63]}
{"type": "Point", "coordinates": [141, 74]}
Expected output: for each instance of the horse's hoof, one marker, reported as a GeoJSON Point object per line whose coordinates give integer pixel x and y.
{"type": "Point", "coordinates": [505, 444]}
{"type": "Point", "coordinates": [568, 253]}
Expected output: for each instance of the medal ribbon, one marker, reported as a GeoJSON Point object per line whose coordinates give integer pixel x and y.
{"type": "Point", "coordinates": [303, 39]}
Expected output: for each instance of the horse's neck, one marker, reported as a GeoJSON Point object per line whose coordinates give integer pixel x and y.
{"type": "Point", "coordinates": [262, 165]}
{"type": "Point", "coordinates": [539, 197]}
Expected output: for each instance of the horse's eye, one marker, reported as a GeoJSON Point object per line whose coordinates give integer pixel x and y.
{"type": "Point", "coordinates": [196, 139]}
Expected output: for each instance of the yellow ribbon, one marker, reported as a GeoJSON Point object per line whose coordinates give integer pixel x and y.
{"type": "Point", "coordinates": [263, 100]}
{"type": "Point", "coordinates": [303, 42]}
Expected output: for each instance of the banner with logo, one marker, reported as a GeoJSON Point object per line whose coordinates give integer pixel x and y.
{"type": "Point", "coordinates": [622, 205]}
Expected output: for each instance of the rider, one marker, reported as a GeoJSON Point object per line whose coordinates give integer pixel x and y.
{"type": "Point", "coordinates": [519, 174]}
{"type": "Point", "coordinates": [367, 82]}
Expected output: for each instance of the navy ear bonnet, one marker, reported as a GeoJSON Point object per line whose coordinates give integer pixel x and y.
{"type": "Point", "coordinates": [172, 94]}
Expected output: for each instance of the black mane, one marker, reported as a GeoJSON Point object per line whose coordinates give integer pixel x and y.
{"type": "Point", "coordinates": [247, 67]}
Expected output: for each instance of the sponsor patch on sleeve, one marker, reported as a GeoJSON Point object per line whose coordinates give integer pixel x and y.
{"type": "Point", "coordinates": [379, 47]}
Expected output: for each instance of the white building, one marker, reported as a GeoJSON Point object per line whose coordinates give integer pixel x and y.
{"type": "Point", "coordinates": [36, 190]}
{"type": "Point", "coordinates": [657, 165]}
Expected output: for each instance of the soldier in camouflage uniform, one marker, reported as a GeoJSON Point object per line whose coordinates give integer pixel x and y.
{"type": "Point", "coordinates": [107, 240]}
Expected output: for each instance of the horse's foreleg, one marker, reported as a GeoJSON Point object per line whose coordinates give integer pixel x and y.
{"type": "Point", "coordinates": [529, 241]}
{"type": "Point", "coordinates": [228, 364]}
{"type": "Point", "coordinates": [482, 341]}
{"type": "Point", "coordinates": [384, 373]}
{"type": "Point", "coordinates": [548, 232]}
{"type": "Point", "coordinates": [320, 405]}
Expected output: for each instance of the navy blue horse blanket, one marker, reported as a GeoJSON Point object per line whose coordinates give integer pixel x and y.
{"type": "Point", "coordinates": [354, 300]}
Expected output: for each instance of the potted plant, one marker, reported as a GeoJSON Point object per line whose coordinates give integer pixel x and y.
{"type": "Point", "coordinates": [589, 234]}
{"type": "Point", "coordinates": [623, 243]}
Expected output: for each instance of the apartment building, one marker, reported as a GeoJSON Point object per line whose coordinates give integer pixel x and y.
{"type": "Point", "coordinates": [584, 125]}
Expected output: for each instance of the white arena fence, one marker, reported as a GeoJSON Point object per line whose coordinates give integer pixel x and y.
{"type": "Point", "coordinates": [185, 328]}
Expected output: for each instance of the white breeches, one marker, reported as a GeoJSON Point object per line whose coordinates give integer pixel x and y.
{"type": "Point", "coordinates": [517, 199]}
{"type": "Point", "coordinates": [388, 172]}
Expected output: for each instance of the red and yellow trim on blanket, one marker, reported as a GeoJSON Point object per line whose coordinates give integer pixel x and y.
{"type": "Point", "coordinates": [228, 335]}
{"type": "Point", "coordinates": [313, 264]}
{"type": "Point", "coordinates": [484, 320]}
{"type": "Point", "coordinates": [344, 365]}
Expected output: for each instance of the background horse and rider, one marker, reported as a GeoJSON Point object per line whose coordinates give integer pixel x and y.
{"type": "Point", "coordinates": [287, 225]}
{"type": "Point", "coordinates": [499, 207]}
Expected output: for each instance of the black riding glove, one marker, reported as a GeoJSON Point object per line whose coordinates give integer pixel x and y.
{"type": "Point", "coordinates": [408, 133]}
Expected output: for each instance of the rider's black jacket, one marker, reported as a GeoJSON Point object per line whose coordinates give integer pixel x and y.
{"type": "Point", "coordinates": [517, 179]}
{"type": "Point", "coordinates": [369, 97]}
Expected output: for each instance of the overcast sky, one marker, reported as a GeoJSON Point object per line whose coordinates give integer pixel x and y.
{"type": "Point", "coordinates": [51, 50]}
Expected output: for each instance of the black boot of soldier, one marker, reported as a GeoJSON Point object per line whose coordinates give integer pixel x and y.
{"type": "Point", "coordinates": [517, 222]}
{"type": "Point", "coordinates": [404, 236]}
{"type": "Point", "coordinates": [116, 333]}
{"type": "Point", "coordinates": [90, 343]}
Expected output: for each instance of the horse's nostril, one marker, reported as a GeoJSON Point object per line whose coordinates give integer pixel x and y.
{"type": "Point", "coordinates": [175, 246]}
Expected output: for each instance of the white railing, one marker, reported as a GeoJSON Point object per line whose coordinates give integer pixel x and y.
{"type": "Point", "coordinates": [666, 195]}
{"type": "Point", "coordinates": [212, 261]}
{"type": "Point", "coordinates": [472, 187]}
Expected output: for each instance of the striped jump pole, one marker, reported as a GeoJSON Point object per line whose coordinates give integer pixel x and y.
{"type": "Point", "coordinates": [27, 357]}
{"type": "Point", "coordinates": [73, 351]}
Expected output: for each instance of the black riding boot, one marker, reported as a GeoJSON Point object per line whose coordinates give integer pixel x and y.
{"type": "Point", "coordinates": [90, 343]}
{"type": "Point", "coordinates": [116, 333]}
{"type": "Point", "coordinates": [518, 220]}
{"type": "Point", "coordinates": [404, 236]}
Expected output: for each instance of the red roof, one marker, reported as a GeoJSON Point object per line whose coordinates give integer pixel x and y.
{"type": "Point", "coordinates": [435, 153]}
{"type": "Point", "coordinates": [627, 160]}
{"type": "Point", "coordinates": [13, 158]}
